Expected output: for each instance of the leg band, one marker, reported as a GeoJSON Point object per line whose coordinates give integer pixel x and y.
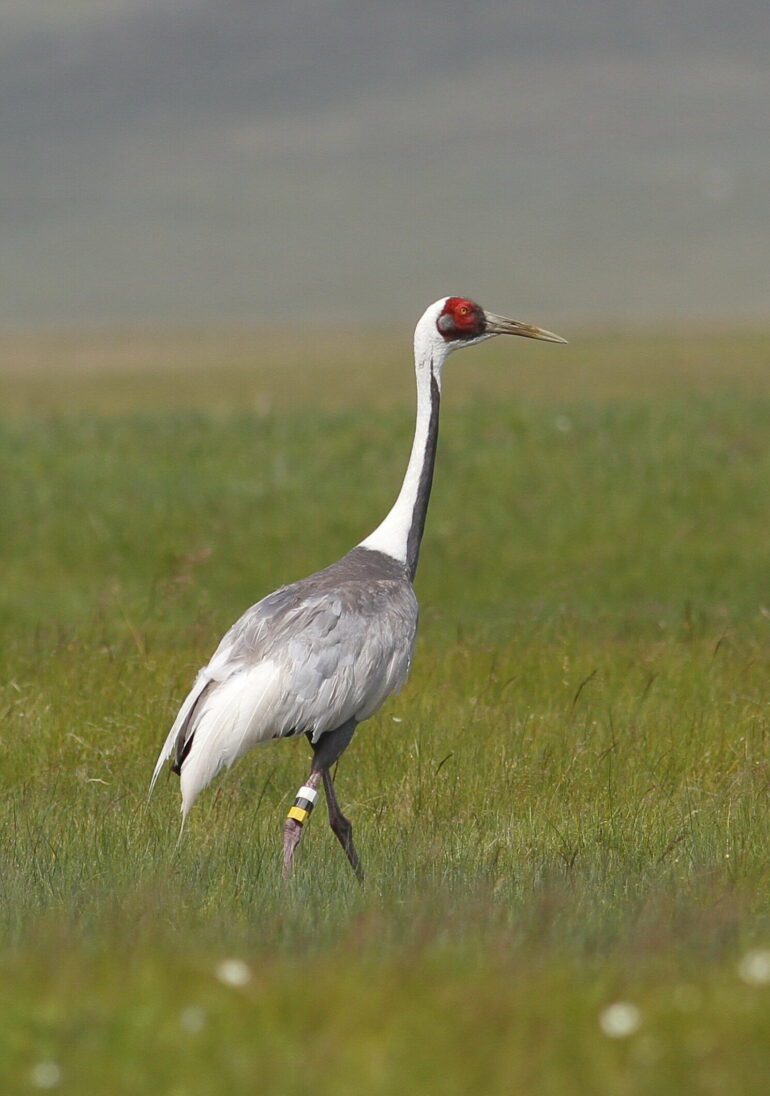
{"type": "Point", "coordinates": [299, 814]}
{"type": "Point", "coordinates": [303, 804]}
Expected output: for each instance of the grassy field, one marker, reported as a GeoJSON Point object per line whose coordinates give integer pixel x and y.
{"type": "Point", "coordinates": [563, 817]}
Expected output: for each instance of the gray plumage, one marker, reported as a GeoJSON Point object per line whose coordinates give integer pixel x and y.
{"type": "Point", "coordinates": [306, 659]}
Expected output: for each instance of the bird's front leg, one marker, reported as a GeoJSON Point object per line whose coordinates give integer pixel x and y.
{"type": "Point", "coordinates": [297, 817]}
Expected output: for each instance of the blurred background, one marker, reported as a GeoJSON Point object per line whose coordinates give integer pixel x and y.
{"type": "Point", "coordinates": [338, 161]}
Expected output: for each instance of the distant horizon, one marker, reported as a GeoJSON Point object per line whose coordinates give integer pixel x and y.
{"type": "Point", "coordinates": [399, 325]}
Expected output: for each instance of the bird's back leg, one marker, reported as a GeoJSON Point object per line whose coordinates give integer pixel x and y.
{"type": "Point", "coordinates": [296, 819]}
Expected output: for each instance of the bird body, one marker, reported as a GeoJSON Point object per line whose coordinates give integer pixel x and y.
{"type": "Point", "coordinates": [306, 659]}
{"type": "Point", "coordinates": [323, 654]}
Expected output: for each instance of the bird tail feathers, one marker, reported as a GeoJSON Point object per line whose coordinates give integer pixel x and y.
{"type": "Point", "coordinates": [201, 683]}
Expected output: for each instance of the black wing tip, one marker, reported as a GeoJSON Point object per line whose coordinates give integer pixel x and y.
{"type": "Point", "coordinates": [181, 754]}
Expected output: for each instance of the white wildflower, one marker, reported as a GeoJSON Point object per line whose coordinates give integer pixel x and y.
{"type": "Point", "coordinates": [754, 967]}
{"type": "Point", "coordinates": [620, 1019]}
{"type": "Point", "coordinates": [192, 1019]}
{"type": "Point", "coordinates": [233, 972]}
{"type": "Point", "coordinates": [45, 1075]}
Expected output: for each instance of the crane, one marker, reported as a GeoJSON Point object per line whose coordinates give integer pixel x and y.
{"type": "Point", "coordinates": [319, 656]}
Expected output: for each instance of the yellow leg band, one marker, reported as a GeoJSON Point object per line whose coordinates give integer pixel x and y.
{"type": "Point", "coordinates": [299, 814]}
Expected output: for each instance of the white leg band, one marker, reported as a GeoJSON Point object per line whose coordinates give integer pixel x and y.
{"type": "Point", "coordinates": [307, 793]}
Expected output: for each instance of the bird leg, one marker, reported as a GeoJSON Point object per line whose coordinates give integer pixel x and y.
{"type": "Point", "coordinates": [296, 819]}
{"type": "Point", "coordinates": [341, 827]}
{"type": "Point", "coordinates": [325, 753]}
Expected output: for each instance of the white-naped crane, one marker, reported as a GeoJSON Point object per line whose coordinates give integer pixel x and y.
{"type": "Point", "coordinates": [319, 656]}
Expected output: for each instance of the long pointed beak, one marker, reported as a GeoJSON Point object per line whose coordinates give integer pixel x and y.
{"type": "Point", "coordinates": [500, 325]}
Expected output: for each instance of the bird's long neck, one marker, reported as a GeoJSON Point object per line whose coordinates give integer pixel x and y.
{"type": "Point", "coordinates": [400, 534]}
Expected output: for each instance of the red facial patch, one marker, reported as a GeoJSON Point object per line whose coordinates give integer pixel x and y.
{"type": "Point", "coordinates": [461, 319]}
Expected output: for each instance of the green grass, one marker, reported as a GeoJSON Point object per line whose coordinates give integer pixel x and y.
{"type": "Point", "coordinates": [566, 807]}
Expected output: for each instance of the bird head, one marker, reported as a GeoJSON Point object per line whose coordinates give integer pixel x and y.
{"type": "Point", "coordinates": [455, 322]}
